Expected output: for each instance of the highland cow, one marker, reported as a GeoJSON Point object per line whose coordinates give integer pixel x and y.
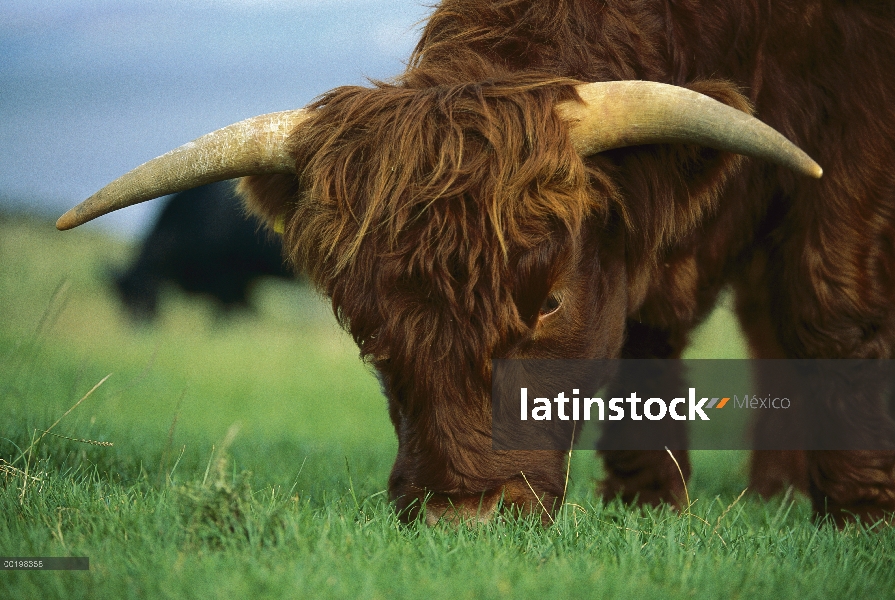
{"type": "Point", "coordinates": [566, 179]}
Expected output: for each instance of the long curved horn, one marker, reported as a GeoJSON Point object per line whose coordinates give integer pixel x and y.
{"type": "Point", "coordinates": [255, 146]}
{"type": "Point", "coordinates": [615, 114]}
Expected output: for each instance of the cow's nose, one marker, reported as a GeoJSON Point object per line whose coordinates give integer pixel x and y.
{"type": "Point", "coordinates": [513, 497]}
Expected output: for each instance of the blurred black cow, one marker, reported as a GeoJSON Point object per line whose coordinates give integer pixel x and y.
{"type": "Point", "coordinates": [205, 244]}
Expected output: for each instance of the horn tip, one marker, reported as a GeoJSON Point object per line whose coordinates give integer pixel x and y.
{"type": "Point", "coordinates": [805, 165]}
{"type": "Point", "coordinates": [67, 221]}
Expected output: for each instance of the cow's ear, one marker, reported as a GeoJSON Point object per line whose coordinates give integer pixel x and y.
{"type": "Point", "coordinates": [268, 196]}
{"type": "Point", "coordinates": [667, 190]}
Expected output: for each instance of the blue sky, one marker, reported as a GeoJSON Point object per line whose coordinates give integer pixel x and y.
{"type": "Point", "coordinates": [90, 89]}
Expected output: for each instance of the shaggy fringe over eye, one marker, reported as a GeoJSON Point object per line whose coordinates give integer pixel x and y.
{"type": "Point", "coordinates": [416, 204]}
{"type": "Point", "coordinates": [388, 154]}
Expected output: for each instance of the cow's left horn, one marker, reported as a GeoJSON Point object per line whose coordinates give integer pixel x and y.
{"type": "Point", "coordinates": [615, 114]}
{"type": "Point", "coordinates": [255, 146]}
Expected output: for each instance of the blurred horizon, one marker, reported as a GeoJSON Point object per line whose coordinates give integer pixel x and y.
{"type": "Point", "coordinates": [91, 89]}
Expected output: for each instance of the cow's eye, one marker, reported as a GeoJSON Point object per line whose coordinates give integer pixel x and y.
{"type": "Point", "coordinates": [551, 304]}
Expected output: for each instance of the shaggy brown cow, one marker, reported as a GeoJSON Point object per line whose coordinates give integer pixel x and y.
{"type": "Point", "coordinates": [484, 204]}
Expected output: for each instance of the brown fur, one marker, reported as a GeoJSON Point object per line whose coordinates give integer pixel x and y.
{"type": "Point", "coordinates": [439, 211]}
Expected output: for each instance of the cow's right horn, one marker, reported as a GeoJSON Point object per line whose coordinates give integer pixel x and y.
{"type": "Point", "coordinates": [615, 114]}
{"type": "Point", "coordinates": [256, 146]}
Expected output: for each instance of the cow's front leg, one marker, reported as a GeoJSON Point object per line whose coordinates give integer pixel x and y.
{"type": "Point", "coordinates": [638, 466]}
{"type": "Point", "coordinates": [770, 471]}
{"type": "Point", "coordinates": [851, 485]}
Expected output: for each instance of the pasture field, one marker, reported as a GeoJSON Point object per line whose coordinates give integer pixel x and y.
{"type": "Point", "coordinates": [249, 458]}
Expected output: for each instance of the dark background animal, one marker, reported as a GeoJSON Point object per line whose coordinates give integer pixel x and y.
{"type": "Point", "coordinates": [204, 244]}
{"type": "Point", "coordinates": [451, 218]}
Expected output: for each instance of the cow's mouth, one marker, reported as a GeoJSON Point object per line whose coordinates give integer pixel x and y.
{"type": "Point", "coordinates": [513, 498]}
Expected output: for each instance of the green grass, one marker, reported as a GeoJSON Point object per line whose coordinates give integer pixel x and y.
{"type": "Point", "coordinates": [250, 460]}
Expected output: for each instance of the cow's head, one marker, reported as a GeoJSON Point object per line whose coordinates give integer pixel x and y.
{"type": "Point", "coordinates": [453, 224]}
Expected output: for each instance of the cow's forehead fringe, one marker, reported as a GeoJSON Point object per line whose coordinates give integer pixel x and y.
{"type": "Point", "coordinates": [415, 205]}
{"type": "Point", "coordinates": [447, 173]}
